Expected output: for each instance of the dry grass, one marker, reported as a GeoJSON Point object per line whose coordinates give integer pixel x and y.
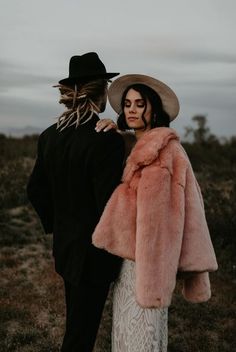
{"type": "Point", "coordinates": [30, 319]}
{"type": "Point", "coordinates": [32, 295]}
{"type": "Point", "coordinates": [32, 301]}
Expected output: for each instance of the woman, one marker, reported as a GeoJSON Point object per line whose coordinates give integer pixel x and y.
{"type": "Point", "coordinates": [154, 220]}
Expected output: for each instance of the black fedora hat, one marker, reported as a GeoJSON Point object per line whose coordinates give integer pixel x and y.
{"type": "Point", "coordinates": [85, 68]}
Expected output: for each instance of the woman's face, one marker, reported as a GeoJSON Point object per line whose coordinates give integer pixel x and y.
{"type": "Point", "coordinates": [134, 106]}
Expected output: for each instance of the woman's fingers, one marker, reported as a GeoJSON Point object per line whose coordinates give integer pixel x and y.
{"type": "Point", "coordinates": [105, 125]}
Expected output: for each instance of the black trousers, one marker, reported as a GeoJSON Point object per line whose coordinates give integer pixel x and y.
{"type": "Point", "coordinates": [84, 307]}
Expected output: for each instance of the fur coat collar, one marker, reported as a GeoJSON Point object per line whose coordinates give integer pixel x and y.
{"type": "Point", "coordinates": [147, 149]}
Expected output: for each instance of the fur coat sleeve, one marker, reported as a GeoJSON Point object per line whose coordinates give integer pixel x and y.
{"type": "Point", "coordinates": [156, 217]}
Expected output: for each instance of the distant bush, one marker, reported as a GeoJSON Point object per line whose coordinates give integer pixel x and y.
{"type": "Point", "coordinates": [214, 163]}
{"type": "Point", "coordinates": [14, 148]}
{"type": "Point", "coordinates": [13, 179]}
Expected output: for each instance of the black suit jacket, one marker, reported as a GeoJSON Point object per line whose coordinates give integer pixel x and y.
{"type": "Point", "coordinates": [76, 171]}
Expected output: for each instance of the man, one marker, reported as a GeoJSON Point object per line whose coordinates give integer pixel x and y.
{"type": "Point", "coordinates": [75, 172]}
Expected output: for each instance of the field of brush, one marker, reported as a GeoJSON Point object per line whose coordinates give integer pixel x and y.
{"type": "Point", "coordinates": [32, 306]}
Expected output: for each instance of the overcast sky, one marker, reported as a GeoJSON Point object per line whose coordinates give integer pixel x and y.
{"type": "Point", "coordinates": [188, 44]}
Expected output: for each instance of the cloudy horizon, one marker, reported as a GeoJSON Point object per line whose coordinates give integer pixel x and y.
{"type": "Point", "coordinates": [187, 44]}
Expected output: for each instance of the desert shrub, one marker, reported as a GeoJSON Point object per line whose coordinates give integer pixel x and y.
{"type": "Point", "coordinates": [14, 148]}
{"type": "Point", "coordinates": [215, 166]}
{"type": "Point", "coordinates": [13, 179]}
{"type": "Point", "coordinates": [16, 161]}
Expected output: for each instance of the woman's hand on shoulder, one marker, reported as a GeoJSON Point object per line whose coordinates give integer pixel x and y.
{"type": "Point", "coordinates": [105, 125]}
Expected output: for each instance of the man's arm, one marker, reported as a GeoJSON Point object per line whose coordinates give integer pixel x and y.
{"type": "Point", "coordinates": [107, 167]}
{"type": "Point", "coordinates": [39, 192]}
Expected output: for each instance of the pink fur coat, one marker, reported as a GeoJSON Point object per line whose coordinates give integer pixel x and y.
{"type": "Point", "coordinates": [156, 217]}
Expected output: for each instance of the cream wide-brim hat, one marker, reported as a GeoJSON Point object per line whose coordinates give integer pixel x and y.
{"type": "Point", "coordinates": [169, 99]}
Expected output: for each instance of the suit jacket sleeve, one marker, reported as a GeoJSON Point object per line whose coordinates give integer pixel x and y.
{"type": "Point", "coordinates": [39, 191]}
{"type": "Point", "coordinates": [107, 167]}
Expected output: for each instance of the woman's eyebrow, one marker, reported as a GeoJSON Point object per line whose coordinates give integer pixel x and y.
{"type": "Point", "coordinates": [138, 100]}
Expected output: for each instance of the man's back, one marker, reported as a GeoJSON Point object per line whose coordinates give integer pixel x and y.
{"type": "Point", "coordinates": [81, 169]}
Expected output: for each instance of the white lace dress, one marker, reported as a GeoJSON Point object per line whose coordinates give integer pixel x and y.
{"type": "Point", "coordinates": [135, 329]}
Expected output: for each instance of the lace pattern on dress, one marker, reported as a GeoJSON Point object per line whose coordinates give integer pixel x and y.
{"type": "Point", "coordinates": [136, 329]}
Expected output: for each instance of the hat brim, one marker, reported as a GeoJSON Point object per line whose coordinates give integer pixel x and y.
{"type": "Point", "coordinates": [169, 99]}
{"type": "Point", "coordinates": [73, 80]}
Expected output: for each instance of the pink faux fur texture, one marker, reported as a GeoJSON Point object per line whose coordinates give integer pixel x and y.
{"type": "Point", "coordinates": [156, 217]}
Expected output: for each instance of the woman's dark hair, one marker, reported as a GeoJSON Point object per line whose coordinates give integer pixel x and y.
{"type": "Point", "coordinates": [159, 117]}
